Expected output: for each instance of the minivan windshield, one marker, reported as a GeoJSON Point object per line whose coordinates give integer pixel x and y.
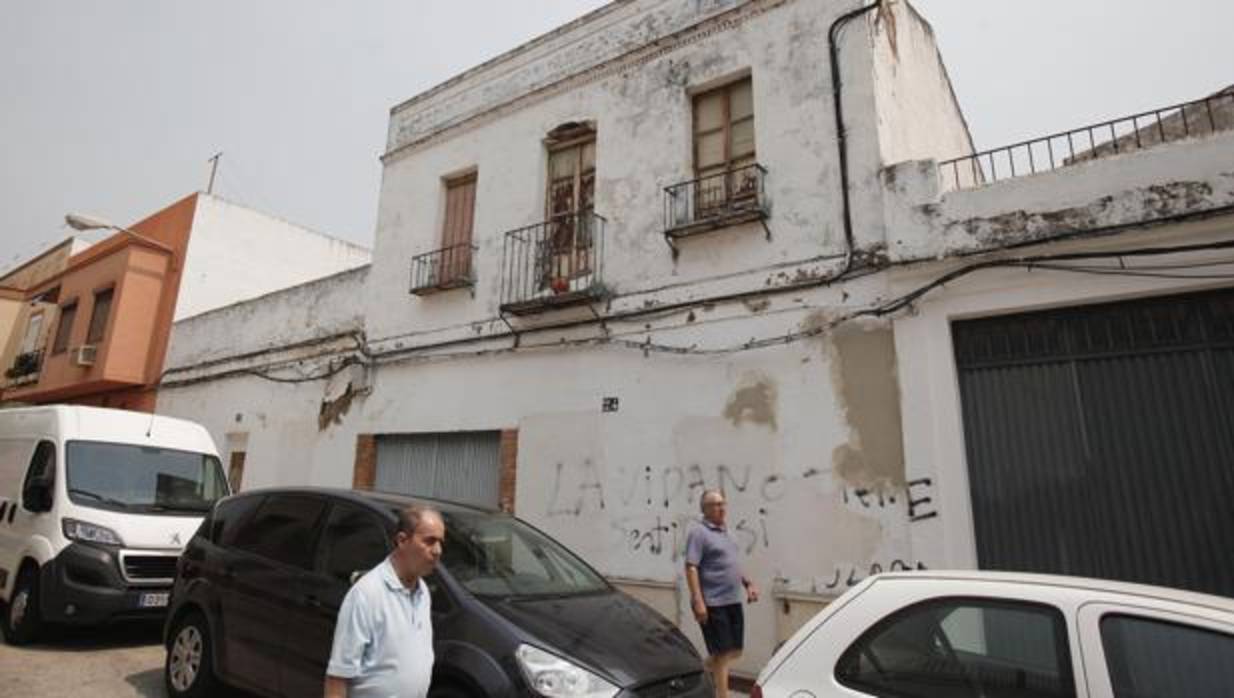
{"type": "Point", "coordinates": [129, 477]}
{"type": "Point", "coordinates": [497, 555]}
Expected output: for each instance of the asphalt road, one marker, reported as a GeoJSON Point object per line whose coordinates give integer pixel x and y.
{"type": "Point", "coordinates": [114, 662]}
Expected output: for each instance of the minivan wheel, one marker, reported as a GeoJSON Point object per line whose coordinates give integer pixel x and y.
{"type": "Point", "coordinates": [23, 620]}
{"type": "Point", "coordinates": [189, 670]}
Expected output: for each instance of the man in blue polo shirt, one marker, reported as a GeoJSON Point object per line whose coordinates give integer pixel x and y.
{"type": "Point", "coordinates": [717, 587]}
{"type": "Point", "coordinates": [383, 640]}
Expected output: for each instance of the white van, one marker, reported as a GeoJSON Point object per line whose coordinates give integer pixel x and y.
{"type": "Point", "coordinates": [95, 507]}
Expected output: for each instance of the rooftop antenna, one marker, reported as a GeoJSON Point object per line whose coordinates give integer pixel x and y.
{"type": "Point", "coordinates": [214, 167]}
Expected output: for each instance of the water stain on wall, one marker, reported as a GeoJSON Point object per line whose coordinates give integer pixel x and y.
{"type": "Point", "coordinates": [863, 372]}
{"type": "Point", "coordinates": [754, 401]}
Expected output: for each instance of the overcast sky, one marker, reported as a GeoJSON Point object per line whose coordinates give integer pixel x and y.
{"type": "Point", "coordinates": [113, 108]}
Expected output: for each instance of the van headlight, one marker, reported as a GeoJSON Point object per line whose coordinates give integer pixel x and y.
{"type": "Point", "coordinates": [553, 677]}
{"type": "Point", "coordinates": [89, 533]}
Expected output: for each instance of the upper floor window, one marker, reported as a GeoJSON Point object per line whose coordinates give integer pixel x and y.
{"type": "Point", "coordinates": [99, 316]}
{"type": "Point", "coordinates": [571, 201]}
{"type": "Point", "coordinates": [30, 343]}
{"type": "Point", "coordinates": [724, 129]}
{"type": "Point", "coordinates": [571, 170]}
{"type": "Point", "coordinates": [64, 328]}
{"type": "Point", "coordinates": [456, 233]}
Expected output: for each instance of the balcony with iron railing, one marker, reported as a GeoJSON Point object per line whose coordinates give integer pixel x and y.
{"type": "Point", "coordinates": [1124, 135]}
{"type": "Point", "coordinates": [441, 270]}
{"type": "Point", "coordinates": [715, 201]}
{"type": "Point", "coordinates": [25, 369]}
{"type": "Point", "coordinates": [557, 263]}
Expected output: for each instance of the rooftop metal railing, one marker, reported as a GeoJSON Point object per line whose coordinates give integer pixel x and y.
{"type": "Point", "coordinates": [1123, 135]}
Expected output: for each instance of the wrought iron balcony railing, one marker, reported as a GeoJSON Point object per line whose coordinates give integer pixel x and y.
{"type": "Point", "coordinates": [440, 270]}
{"type": "Point", "coordinates": [555, 263]}
{"type": "Point", "coordinates": [1125, 135]}
{"type": "Point", "coordinates": [25, 368]}
{"type": "Point", "coordinates": [727, 198]}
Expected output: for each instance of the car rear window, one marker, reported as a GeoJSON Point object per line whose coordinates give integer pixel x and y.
{"type": "Point", "coordinates": [282, 529]}
{"type": "Point", "coordinates": [963, 648]}
{"type": "Point", "coordinates": [1150, 657]}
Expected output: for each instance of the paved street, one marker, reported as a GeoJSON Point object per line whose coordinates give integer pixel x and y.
{"type": "Point", "coordinates": [119, 662]}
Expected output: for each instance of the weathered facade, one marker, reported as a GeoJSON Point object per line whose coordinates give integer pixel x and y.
{"type": "Point", "coordinates": [95, 331]}
{"type": "Point", "coordinates": [612, 307]}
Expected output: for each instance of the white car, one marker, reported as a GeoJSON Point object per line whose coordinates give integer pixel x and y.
{"type": "Point", "coordinates": [1000, 635]}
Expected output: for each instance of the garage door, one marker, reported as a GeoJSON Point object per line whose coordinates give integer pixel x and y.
{"type": "Point", "coordinates": [1100, 440]}
{"type": "Point", "coordinates": [456, 466]}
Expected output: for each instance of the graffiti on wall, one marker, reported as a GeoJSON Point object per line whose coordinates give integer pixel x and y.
{"type": "Point", "coordinates": [650, 509]}
{"type": "Point", "coordinates": [916, 497]}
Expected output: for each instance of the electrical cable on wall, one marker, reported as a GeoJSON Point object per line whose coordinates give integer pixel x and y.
{"type": "Point", "coordinates": [1045, 262]}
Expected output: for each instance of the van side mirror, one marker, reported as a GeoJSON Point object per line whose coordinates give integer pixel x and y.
{"type": "Point", "coordinates": [36, 497]}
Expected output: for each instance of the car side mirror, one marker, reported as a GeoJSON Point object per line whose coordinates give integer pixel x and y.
{"type": "Point", "coordinates": [36, 497]}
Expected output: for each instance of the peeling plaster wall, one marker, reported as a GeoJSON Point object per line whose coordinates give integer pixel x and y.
{"type": "Point", "coordinates": [863, 366]}
{"type": "Point", "coordinates": [586, 47]}
{"type": "Point", "coordinates": [916, 107]}
{"type": "Point", "coordinates": [643, 115]}
{"type": "Point", "coordinates": [1174, 179]}
{"type": "Point", "coordinates": [236, 254]}
{"type": "Point", "coordinates": [622, 488]}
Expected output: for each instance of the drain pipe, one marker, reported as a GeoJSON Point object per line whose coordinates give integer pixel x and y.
{"type": "Point", "coordinates": [841, 132]}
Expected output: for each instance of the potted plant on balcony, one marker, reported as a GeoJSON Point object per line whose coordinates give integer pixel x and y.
{"type": "Point", "coordinates": [23, 365]}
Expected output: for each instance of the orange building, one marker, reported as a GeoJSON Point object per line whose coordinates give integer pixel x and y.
{"type": "Point", "coordinates": [96, 332]}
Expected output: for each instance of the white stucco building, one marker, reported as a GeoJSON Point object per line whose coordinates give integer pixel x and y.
{"type": "Point", "coordinates": [645, 257]}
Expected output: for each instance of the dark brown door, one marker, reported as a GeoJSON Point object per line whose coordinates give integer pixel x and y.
{"type": "Point", "coordinates": [352, 542]}
{"type": "Point", "coordinates": [271, 553]}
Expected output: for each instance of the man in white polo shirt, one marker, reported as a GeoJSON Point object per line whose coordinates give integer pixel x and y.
{"type": "Point", "coordinates": [383, 640]}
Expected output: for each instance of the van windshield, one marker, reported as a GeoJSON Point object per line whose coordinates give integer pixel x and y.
{"type": "Point", "coordinates": [129, 477]}
{"type": "Point", "coordinates": [496, 555]}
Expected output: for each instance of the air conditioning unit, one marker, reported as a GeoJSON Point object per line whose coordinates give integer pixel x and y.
{"type": "Point", "coordinates": [85, 354]}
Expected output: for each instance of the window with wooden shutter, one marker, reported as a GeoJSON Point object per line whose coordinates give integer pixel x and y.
{"type": "Point", "coordinates": [64, 328]}
{"type": "Point", "coordinates": [456, 235]}
{"type": "Point", "coordinates": [99, 316]}
{"type": "Point", "coordinates": [570, 203]}
{"type": "Point", "coordinates": [724, 154]}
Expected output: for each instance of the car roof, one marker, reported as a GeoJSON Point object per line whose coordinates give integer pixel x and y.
{"type": "Point", "coordinates": [385, 501]}
{"type": "Point", "coordinates": [1102, 586]}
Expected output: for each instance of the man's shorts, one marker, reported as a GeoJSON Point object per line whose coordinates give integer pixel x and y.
{"type": "Point", "coordinates": [724, 630]}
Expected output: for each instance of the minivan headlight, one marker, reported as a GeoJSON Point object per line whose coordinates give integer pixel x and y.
{"type": "Point", "coordinates": [553, 677]}
{"type": "Point", "coordinates": [89, 533]}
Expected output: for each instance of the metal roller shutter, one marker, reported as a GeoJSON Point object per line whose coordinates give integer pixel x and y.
{"type": "Point", "coordinates": [456, 466]}
{"type": "Point", "coordinates": [1100, 440]}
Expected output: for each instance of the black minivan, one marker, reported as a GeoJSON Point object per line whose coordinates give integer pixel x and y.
{"type": "Point", "coordinates": [259, 586]}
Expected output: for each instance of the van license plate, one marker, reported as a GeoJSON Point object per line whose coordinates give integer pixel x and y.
{"type": "Point", "coordinates": [158, 600]}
